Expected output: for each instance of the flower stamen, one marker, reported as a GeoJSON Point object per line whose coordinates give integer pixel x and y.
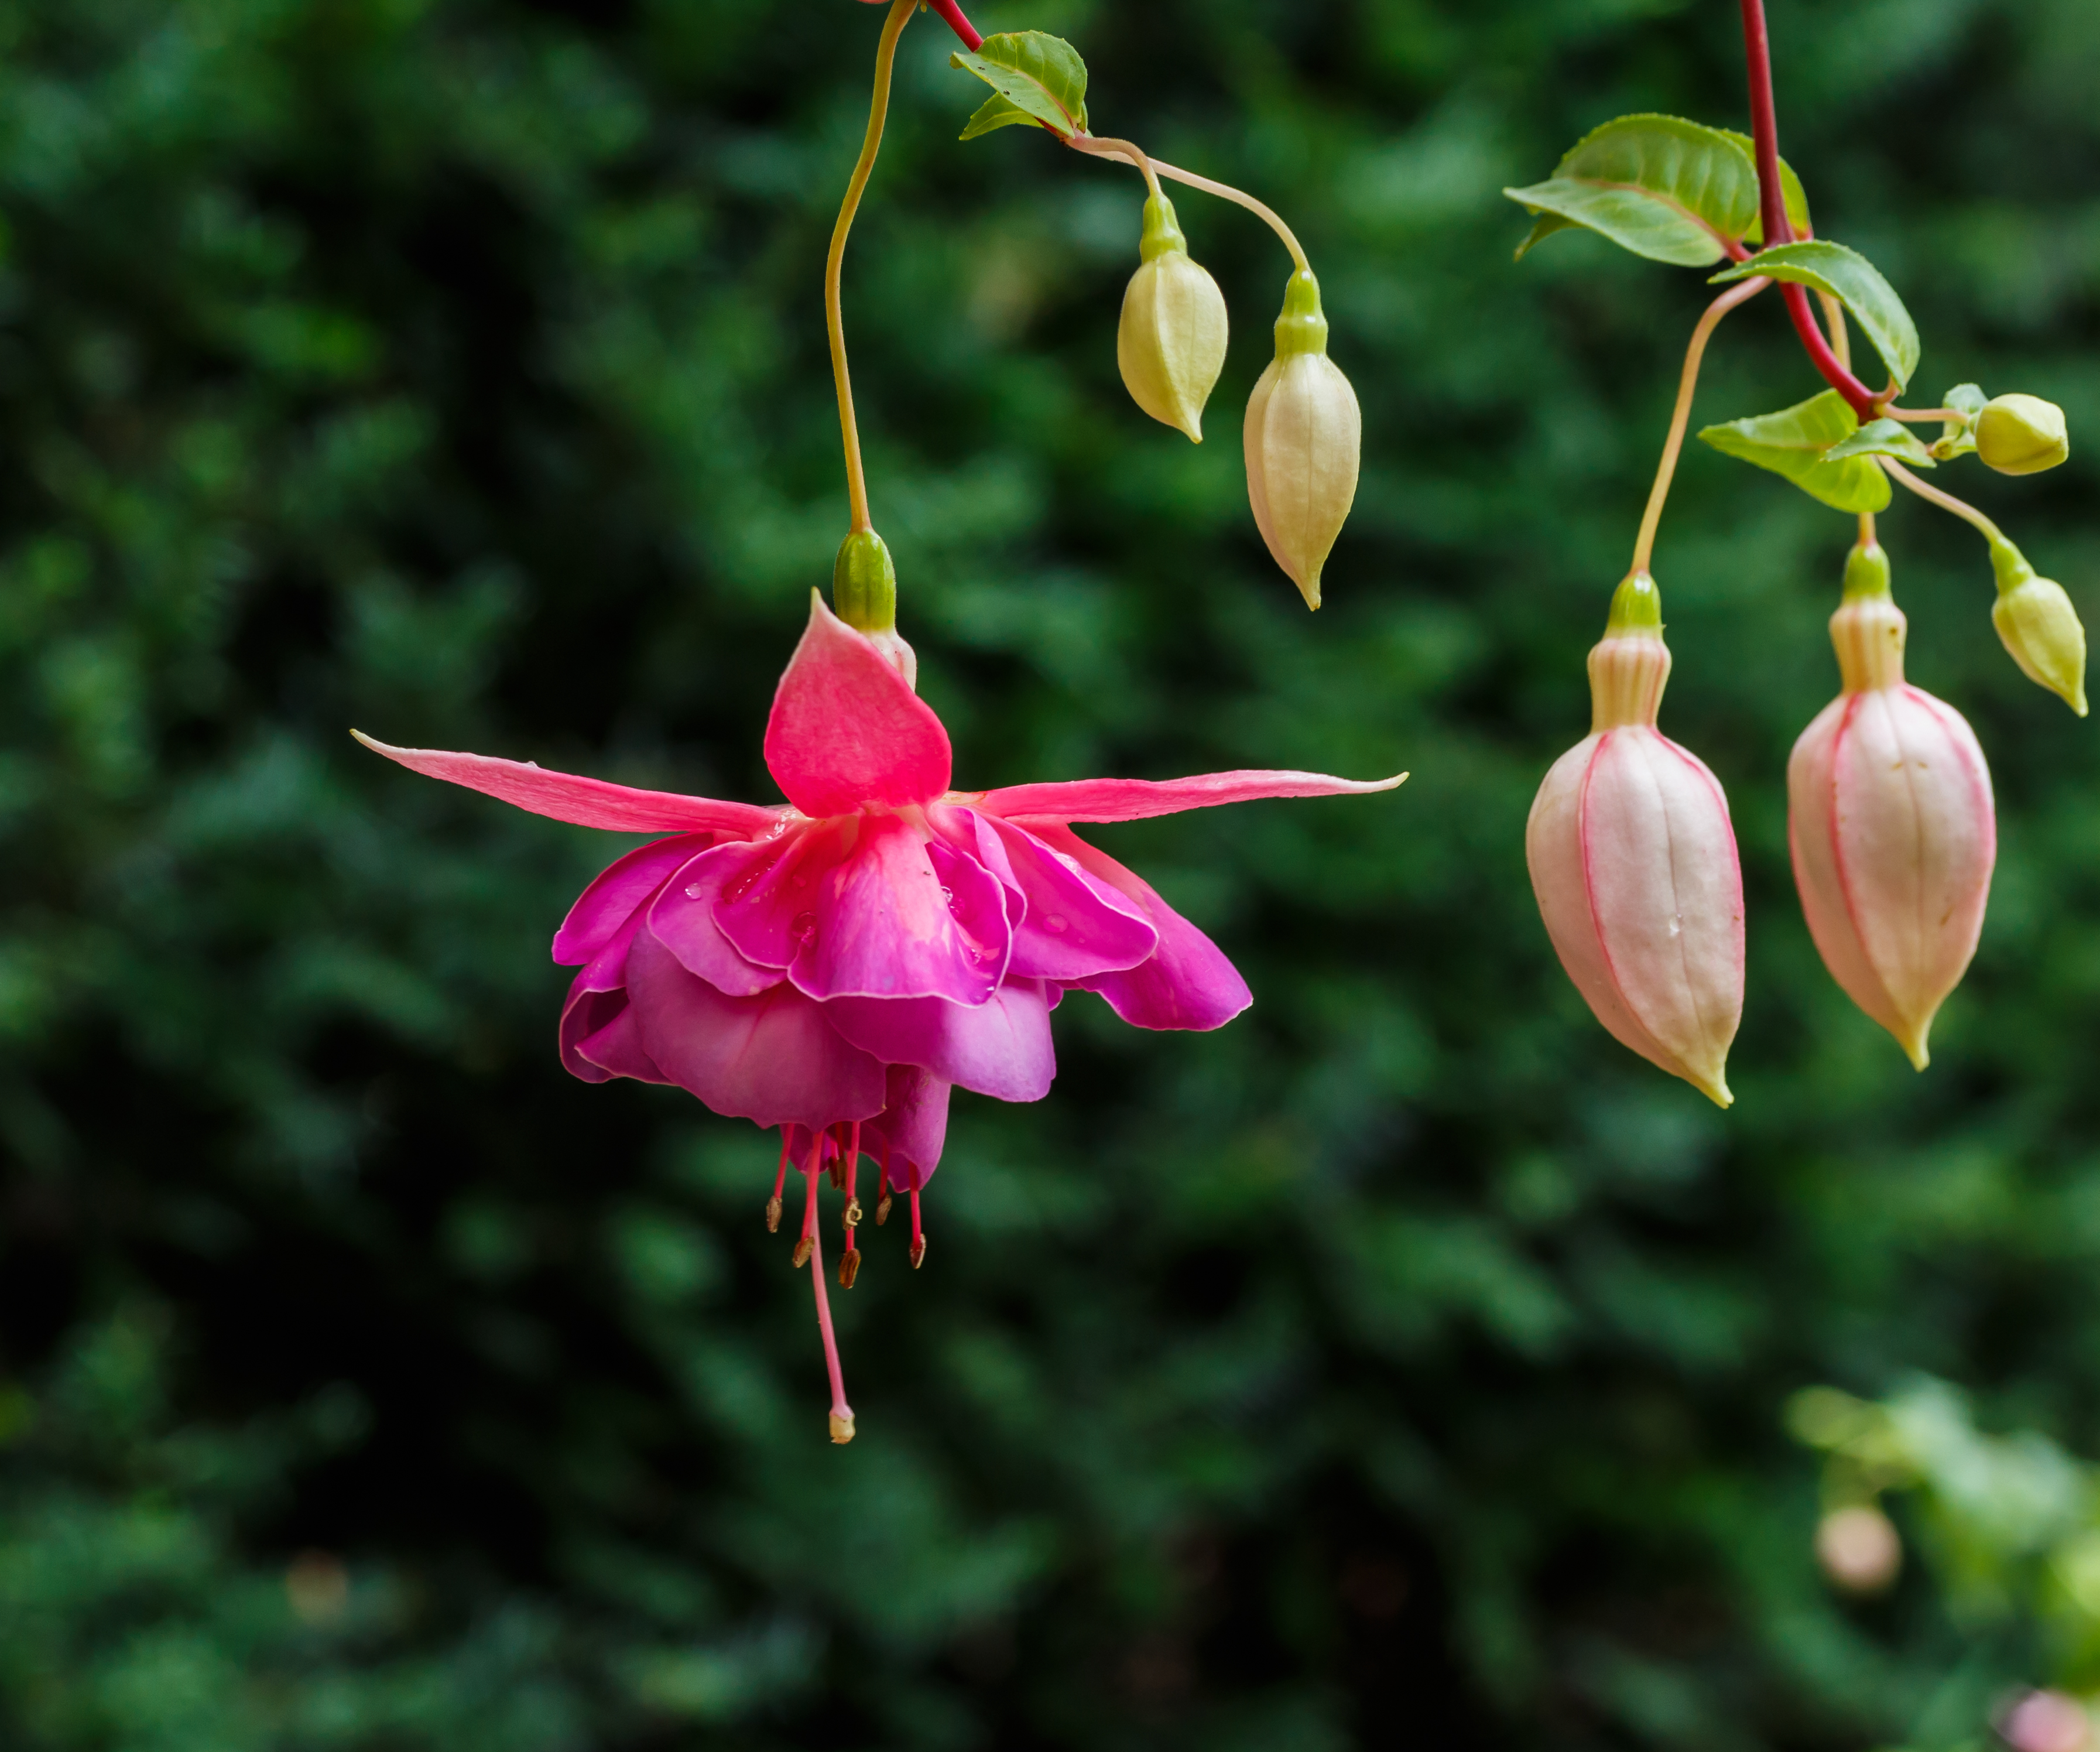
{"type": "Point", "coordinates": [842, 1417]}
{"type": "Point", "coordinates": [882, 1190]}
{"type": "Point", "coordinates": [807, 1244]}
{"type": "Point", "coordinates": [779, 1185]}
{"type": "Point", "coordinates": [918, 1235]}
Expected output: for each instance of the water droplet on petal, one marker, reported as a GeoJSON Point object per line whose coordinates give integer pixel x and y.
{"type": "Point", "coordinates": [948, 894]}
{"type": "Point", "coordinates": [692, 891]}
{"type": "Point", "coordinates": [1056, 922]}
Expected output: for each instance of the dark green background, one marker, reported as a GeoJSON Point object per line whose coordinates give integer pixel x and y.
{"type": "Point", "coordinates": [1400, 1366]}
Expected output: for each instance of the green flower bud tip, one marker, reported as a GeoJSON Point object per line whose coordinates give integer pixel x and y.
{"type": "Point", "coordinates": [2039, 627]}
{"type": "Point", "coordinates": [1636, 607]}
{"type": "Point", "coordinates": [1866, 572]}
{"type": "Point", "coordinates": [1170, 342]}
{"type": "Point", "coordinates": [864, 583]}
{"type": "Point", "coordinates": [2022, 435]}
{"type": "Point", "coordinates": [1304, 443]}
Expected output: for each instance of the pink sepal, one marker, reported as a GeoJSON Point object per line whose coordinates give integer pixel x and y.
{"type": "Point", "coordinates": [847, 730]}
{"type": "Point", "coordinates": [1137, 799]}
{"type": "Point", "coordinates": [587, 802]}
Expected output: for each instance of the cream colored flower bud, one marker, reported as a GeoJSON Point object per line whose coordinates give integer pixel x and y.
{"type": "Point", "coordinates": [1304, 440]}
{"type": "Point", "coordinates": [1890, 822]}
{"type": "Point", "coordinates": [2022, 435]}
{"type": "Point", "coordinates": [1859, 1549]}
{"type": "Point", "coordinates": [1633, 861]}
{"type": "Point", "coordinates": [1170, 342]}
{"type": "Point", "coordinates": [2038, 625]}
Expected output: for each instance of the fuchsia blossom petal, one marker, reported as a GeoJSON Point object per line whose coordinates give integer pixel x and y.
{"type": "Point", "coordinates": [583, 1012]}
{"type": "Point", "coordinates": [1073, 925]}
{"type": "Point", "coordinates": [1000, 1048]}
{"type": "Point", "coordinates": [867, 907]}
{"type": "Point", "coordinates": [906, 1136]}
{"type": "Point", "coordinates": [847, 730]}
{"type": "Point", "coordinates": [772, 1059]}
{"type": "Point", "coordinates": [615, 1047]}
{"type": "Point", "coordinates": [587, 802]}
{"type": "Point", "coordinates": [617, 892]}
{"type": "Point", "coordinates": [1186, 983]}
{"type": "Point", "coordinates": [1137, 799]}
{"type": "Point", "coordinates": [682, 918]}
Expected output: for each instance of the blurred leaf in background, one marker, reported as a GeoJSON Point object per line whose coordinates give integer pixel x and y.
{"type": "Point", "coordinates": [1404, 1364]}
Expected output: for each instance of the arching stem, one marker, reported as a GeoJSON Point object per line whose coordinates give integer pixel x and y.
{"type": "Point", "coordinates": [878, 111]}
{"type": "Point", "coordinates": [1154, 167]}
{"type": "Point", "coordinates": [1945, 501]}
{"type": "Point", "coordinates": [1681, 418]}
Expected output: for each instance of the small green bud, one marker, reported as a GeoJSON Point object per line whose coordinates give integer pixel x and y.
{"type": "Point", "coordinates": [1304, 443]}
{"type": "Point", "coordinates": [864, 583]}
{"type": "Point", "coordinates": [2039, 627]}
{"type": "Point", "coordinates": [1170, 342]}
{"type": "Point", "coordinates": [2022, 435]}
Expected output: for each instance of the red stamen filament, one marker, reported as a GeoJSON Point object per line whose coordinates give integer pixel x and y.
{"type": "Point", "coordinates": [918, 1235]}
{"type": "Point", "coordinates": [842, 1417]}
{"type": "Point", "coordinates": [780, 1185]}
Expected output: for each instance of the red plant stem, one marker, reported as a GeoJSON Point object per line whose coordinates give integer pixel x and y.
{"type": "Point", "coordinates": [962, 27]}
{"type": "Point", "coordinates": [1772, 203]}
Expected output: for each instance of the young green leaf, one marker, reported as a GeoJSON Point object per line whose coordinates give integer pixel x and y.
{"type": "Point", "coordinates": [1882, 438]}
{"type": "Point", "coordinates": [1850, 277]}
{"type": "Point", "coordinates": [1796, 197]}
{"type": "Point", "coordinates": [1039, 80]}
{"type": "Point", "coordinates": [1792, 442]}
{"type": "Point", "coordinates": [1957, 437]}
{"type": "Point", "coordinates": [1663, 187]}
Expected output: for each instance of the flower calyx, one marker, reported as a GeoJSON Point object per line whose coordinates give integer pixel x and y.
{"type": "Point", "coordinates": [864, 596]}
{"type": "Point", "coordinates": [1630, 666]}
{"type": "Point", "coordinates": [1171, 339]}
{"type": "Point", "coordinates": [1304, 442]}
{"type": "Point", "coordinates": [2039, 628]}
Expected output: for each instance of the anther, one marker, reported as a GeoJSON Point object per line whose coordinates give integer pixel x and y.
{"type": "Point", "coordinates": [803, 1249]}
{"type": "Point", "coordinates": [848, 1268]}
{"type": "Point", "coordinates": [773, 1216]}
{"type": "Point", "coordinates": [842, 1428]}
{"type": "Point", "coordinates": [852, 1213]}
{"type": "Point", "coordinates": [918, 1253]}
{"type": "Point", "coordinates": [882, 1208]}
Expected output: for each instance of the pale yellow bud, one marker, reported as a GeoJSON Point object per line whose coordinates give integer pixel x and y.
{"type": "Point", "coordinates": [2022, 435]}
{"type": "Point", "coordinates": [1304, 440]}
{"type": "Point", "coordinates": [2039, 627]}
{"type": "Point", "coordinates": [1170, 342]}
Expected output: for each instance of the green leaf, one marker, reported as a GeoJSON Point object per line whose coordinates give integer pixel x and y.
{"type": "Point", "coordinates": [997, 112]}
{"type": "Point", "coordinates": [1792, 442]}
{"type": "Point", "coordinates": [1856, 282]}
{"type": "Point", "coordinates": [1665, 188]}
{"type": "Point", "coordinates": [1040, 76]}
{"type": "Point", "coordinates": [1881, 437]}
{"type": "Point", "coordinates": [1957, 437]}
{"type": "Point", "coordinates": [1797, 196]}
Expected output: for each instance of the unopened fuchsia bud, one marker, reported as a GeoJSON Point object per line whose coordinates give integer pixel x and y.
{"type": "Point", "coordinates": [2038, 626]}
{"type": "Point", "coordinates": [2022, 435]}
{"type": "Point", "coordinates": [1304, 442]}
{"type": "Point", "coordinates": [1171, 341]}
{"type": "Point", "coordinates": [1633, 863]}
{"type": "Point", "coordinates": [1889, 820]}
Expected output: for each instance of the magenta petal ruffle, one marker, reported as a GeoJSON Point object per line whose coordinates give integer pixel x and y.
{"type": "Point", "coordinates": [773, 1059]}
{"type": "Point", "coordinates": [1001, 1047]}
{"type": "Point", "coordinates": [617, 891]}
{"type": "Point", "coordinates": [682, 918]}
{"type": "Point", "coordinates": [907, 1136]}
{"type": "Point", "coordinates": [846, 730]}
{"type": "Point", "coordinates": [1075, 924]}
{"type": "Point", "coordinates": [1188, 983]}
{"type": "Point", "coordinates": [866, 907]}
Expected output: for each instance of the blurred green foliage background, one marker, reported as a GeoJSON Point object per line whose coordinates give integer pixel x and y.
{"type": "Point", "coordinates": [1403, 1365]}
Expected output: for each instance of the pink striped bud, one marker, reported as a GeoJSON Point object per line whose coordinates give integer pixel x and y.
{"type": "Point", "coordinates": [1890, 819]}
{"type": "Point", "coordinates": [1633, 863]}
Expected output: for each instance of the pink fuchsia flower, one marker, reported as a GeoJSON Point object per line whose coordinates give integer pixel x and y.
{"type": "Point", "coordinates": [1633, 860]}
{"type": "Point", "coordinates": [832, 968]}
{"type": "Point", "coordinates": [1890, 822]}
